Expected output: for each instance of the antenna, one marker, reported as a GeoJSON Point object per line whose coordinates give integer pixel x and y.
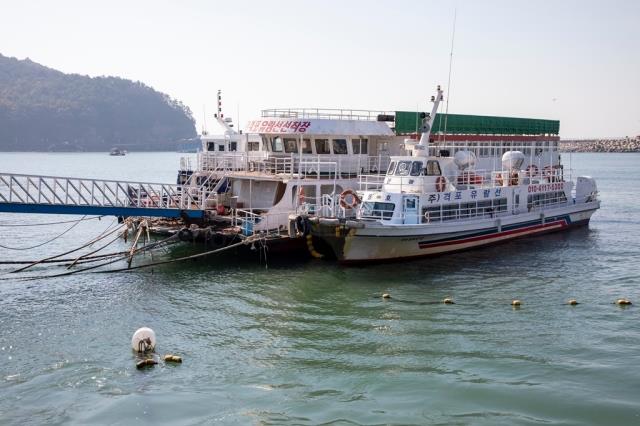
{"type": "Point", "coordinates": [220, 104]}
{"type": "Point", "coordinates": [453, 36]}
{"type": "Point", "coordinates": [204, 119]}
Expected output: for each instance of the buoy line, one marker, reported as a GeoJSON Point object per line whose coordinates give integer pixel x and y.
{"type": "Point", "coordinates": [16, 225]}
{"type": "Point", "coordinates": [46, 242]}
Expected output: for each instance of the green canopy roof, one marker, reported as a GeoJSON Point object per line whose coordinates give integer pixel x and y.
{"type": "Point", "coordinates": [409, 122]}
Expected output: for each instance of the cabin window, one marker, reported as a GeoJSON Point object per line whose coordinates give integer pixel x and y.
{"type": "Point", "coordinates": [307, 195]}
{"type": "Point", "coordinates": [340, 146]}
{"type": "Point", "coordinates": [416, 168]}
{"type": "Point", "coordinates": [433, 168]}
{"type": "Point", "coordinates": [330, 189]}
{"type": "Point", "coordinates": [276, 144]}
{"type": "Point", "coordinates": [306, 146]}
{"type": "Point", "coordinates": [403, 168]}
{"type": "Point", "coordinates": [360, 146]}
{"type": "Point", "coordinates": [211, 146]}
{"type": "Point", "coordinates": [392, 168]}
{"type": "Point", "coordinates": [220, 147]}
{"type": "Point", "coordinates": [233, 146]}
{"type": "Point", "coordinates": [322, 146]}
{"type": "Point", "coordinates": [377, 210]}
{"type": "Point", "coordinates": [290, 145]}
{"type": "Point", "coordinates": [253, 146]}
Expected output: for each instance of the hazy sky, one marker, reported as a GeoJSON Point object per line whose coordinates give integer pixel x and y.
{"type": "Point", "coordinates": [576, 61]}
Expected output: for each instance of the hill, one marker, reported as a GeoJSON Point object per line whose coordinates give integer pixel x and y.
{"type": "Point", "coordinates": [42, 109]}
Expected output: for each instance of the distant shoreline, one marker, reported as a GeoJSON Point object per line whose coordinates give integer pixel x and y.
{"type": "Point", "coordinates": [601, 145]}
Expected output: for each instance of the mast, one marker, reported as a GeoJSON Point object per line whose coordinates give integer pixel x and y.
{"type": "Point", "coordinates": [427, 123]}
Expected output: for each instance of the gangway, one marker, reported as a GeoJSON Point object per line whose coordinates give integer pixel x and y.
{"type": "Point", "coordinates": [67, 195]}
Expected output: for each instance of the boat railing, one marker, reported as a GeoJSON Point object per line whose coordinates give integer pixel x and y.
{"type": "Point", "coordinates": [329, 114]}
{"type": "Point", "coordinates": [468, 179]}
{"type": "Point", "coordinates": [293, 163]}
{"type": "Point", "coordinates": [252, 221]}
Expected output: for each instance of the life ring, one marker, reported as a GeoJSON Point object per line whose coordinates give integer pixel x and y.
{"type": "Point", "coordinates": [499, 180]}
{"type": "Point", "coordinates": [301, 195]}
{"type": "Point", "coordinates": [355, 200]}
{"type": "Point", "coordinates": [532, 170]}
{"type": "Point", "coordinates": [441, 183]}
{"type": "Point", "coordinates": [549, 173]}
{"type": "Point", "coordinates": [514, 178]}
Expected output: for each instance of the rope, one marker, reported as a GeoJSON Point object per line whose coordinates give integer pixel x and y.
{"type": "Point", "coordinates": [46, 224]}
{"type": "Point", "coordinates": [104, 234]}
{"type": "Point", "coordinates": [46, 242]}
{"type": "Point", "coordinates": [119, 258]}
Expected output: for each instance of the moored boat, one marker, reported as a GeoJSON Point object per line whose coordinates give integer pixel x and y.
{"type": "Point", "coordinates": [432, 202]}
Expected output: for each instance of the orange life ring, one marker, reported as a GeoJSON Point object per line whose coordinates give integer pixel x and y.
{"type": "Point", "coordinates": [301, 195]}
{"type": "Point", "coordinates": [532, 170]}
{"type": "Point", "coordinates": [514, 178]}
{"type": "Point", "coordinates": [355, 200]}
{"type": "Point", "coordinates": [499, 180]}
{"type": "Point", "coordinates": [441, 183]}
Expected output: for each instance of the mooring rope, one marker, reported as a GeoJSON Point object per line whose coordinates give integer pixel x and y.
{"type": "Point", "coordinates": [46, 242]}
{"type": "Point", "coordinates": [94, 240]}
{"type": "Point", "coordinates": [12, 225]}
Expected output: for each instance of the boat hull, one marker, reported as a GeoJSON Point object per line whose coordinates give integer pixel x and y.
{"type": "Point", "coordinates": [389, 243]}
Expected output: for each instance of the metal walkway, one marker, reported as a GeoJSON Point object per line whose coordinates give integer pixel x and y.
{"type": "Point", "coordinates": [66, 195]}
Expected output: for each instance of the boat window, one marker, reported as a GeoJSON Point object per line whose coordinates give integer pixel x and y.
{"type": "Point", "coordinates": [433, 168]}
{"type": "Point", "coordinates": [392, 168]}
{"type": "Point", "coordinates": [431, 214]}
{"type": "Point", "coordinates": [330, 189]}
{"type": "Point", "coordinates": [290, 145]}
{"type": "Point", "coordinates": [276, 144]}
{"type": "Point", "coordinates": [253, 146]}
{"type": "Point", "coordinates": [233, 146]}
{"type": "Point", "coordinates": [220, 147]}
{"type": "Point", "coordinates": [211, 146]}
{"type": "Point", "coordinates": [403, 168]}
{"type": "Point", "coordinates": [416, 168]}
{"type": "Point", "coordinates": [322, 146]}
{"type": "Point", "coordinates": [340, 146]}
{"type": "Point", "coordinates": [377, 210]}
{"type": "Point", "coordinates": [306, 146]}
{"type": "Point", "coordinates": [360, 146]}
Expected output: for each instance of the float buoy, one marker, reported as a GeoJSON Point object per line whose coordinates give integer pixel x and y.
{"type": "Point", "coordinates": [173, 358]}
{"type": "Point", "coordinates": [143, 340]}
{"type": "Point", "coordinates": [516, 302]}
{"type": "Point", "coordinates": [149, 362]}
{"type": "Point", "coordinates": [623, 302]}
{"type": "Point", "coordinates": [448, 301]}
{"type": "Point", "coordinates": [386, 296]}
{"type": "Point", "coordinates": [572, 302]}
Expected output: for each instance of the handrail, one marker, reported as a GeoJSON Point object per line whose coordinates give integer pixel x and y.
{"type": "Point", "coordinates": [325, 113]}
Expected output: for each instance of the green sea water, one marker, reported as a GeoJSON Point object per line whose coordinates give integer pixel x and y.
{"type": "Point", "coordinates": [313, 342]}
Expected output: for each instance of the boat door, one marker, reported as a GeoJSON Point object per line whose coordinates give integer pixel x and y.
{"type": "Point", "coordinates": [515, 204]}
{"type": "Point", "coordinates": [411, 208]}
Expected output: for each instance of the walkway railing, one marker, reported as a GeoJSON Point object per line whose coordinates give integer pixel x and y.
{"type": "Point", "coordinates": [55, 191]}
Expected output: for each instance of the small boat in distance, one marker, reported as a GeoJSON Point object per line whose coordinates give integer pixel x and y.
{"type": "Point", "coordinates": [117, 151]}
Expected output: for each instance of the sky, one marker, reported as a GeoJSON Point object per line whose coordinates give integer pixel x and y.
{"type": "Point", "coordinates": [573, 61]}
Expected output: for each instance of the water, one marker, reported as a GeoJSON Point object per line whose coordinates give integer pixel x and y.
{"type": "Point", "coordinates": [312, 342]}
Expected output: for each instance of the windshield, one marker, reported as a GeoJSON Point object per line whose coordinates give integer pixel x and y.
{"type": "Point", "coordinates": [377, 210]}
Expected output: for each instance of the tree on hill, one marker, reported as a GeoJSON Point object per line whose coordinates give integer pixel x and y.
{"type": "Point", "coordinates": [44, 109]}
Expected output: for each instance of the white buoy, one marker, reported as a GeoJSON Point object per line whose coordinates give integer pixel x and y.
{"type": "Point", "coordinates": [143, 340]}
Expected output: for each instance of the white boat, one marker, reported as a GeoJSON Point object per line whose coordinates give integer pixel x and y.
{"type": "Point", "coordinates": [433, 202]}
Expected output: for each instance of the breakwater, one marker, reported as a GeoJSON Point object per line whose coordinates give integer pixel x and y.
{"type": "Point", "coordinates": [601, 145]}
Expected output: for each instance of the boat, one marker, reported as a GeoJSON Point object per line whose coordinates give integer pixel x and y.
{"type": "Point", "coordinates": [117, 152]}
{"type": "Point", "coordinates": [436, 201]}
